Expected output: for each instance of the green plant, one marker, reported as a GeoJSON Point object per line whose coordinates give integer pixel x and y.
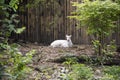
{"type": "Point", "coordinates": [107, 52]}
{"type": "Point", "coordinates": [118, 1]}
{"type": "Point", "coordinates": [96, 44]}
{"type": "Point", "coordinates": [110, 49]}
{"type": "Point", "coordinates": [70, 61]}
{"type": "Point", "coordinates": [99, 17]}
{"type": "Point", "coordinates": [80, 72]}
{"type": "Point", "coordinates": [107, 77]}
{"type": "Point", "coordinates": [14, 4]}
{"type": "Point", "coordinates": [110, 73]}
{"type": "Point", "coordinates": [113, 71]}
{"type": "Point", "coordinates": [15, 62]}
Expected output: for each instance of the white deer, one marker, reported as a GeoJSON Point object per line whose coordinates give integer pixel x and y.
{"type": "Point", "coordinates": [62, 43]}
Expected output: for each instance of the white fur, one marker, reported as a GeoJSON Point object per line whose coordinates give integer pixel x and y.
{"type": "Point", "coordinates": [62, 43]}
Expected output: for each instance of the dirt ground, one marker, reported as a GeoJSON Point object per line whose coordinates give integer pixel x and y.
{"type": "Point", "coordinates": [43, 61]}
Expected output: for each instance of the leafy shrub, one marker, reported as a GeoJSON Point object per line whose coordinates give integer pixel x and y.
{"type": "Point", "coordinates": [113, 71]}
{"type": "Point", "coordinates": [70, 61]}
{"type": "Point", "coordinates": [15, 62]}
{"type": "Point", "coordinates": [99, 17]}
{"type": "Point", "coordinates": [80, 72]}
{"type": "Point", "coordinates": [108, 52]}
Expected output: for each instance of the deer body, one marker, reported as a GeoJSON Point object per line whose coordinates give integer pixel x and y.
{"type": "Point", "coordinates": [62, 43]}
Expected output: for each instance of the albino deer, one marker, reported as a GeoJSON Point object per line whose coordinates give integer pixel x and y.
{"type": "Point", "coordinates": [62, 43]}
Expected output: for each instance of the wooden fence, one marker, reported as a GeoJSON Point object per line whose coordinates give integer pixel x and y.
{"type": "Point", "coordinates": [50, 22]}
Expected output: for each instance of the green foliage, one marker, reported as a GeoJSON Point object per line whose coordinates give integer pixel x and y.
{"type": "Point", "coordinates": [80, 72]}
{"type": "Point", "coordinates": [14, 4]}
{"type": "Point", "coordinates": [9, 21]}
{"type": "Point", "coordinates": [20, 30]}
{"type": "Point", "coordinates": [99, 17]}
{"type": "Point", "coordinates": [83, 72]}
{"type": "Point", "coordinates": [9, 25]}
{"type": "Point", "coordinates": [110, 49]}
{"type": "Point", "coordinates": [96, 44]}
{"type": "Point", "coordinates": [117, 1]}
{"type": "Point", "coordinates": [107, 51]}
{"type": "Point", "coordinates": [113, 71]}
{"type": "Point", "coordinates": [70, 61]}
{"type": "Point", "coordinates": [15, 62]}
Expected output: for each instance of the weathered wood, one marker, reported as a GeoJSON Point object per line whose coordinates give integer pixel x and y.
{"type": "Point", "coordinates": [47, 23]}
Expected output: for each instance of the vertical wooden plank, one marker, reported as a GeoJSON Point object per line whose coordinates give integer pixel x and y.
{"type": "Point", "coordinates": [40, 9]}
{"type": "Point", "coordinates": [37, 27]}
